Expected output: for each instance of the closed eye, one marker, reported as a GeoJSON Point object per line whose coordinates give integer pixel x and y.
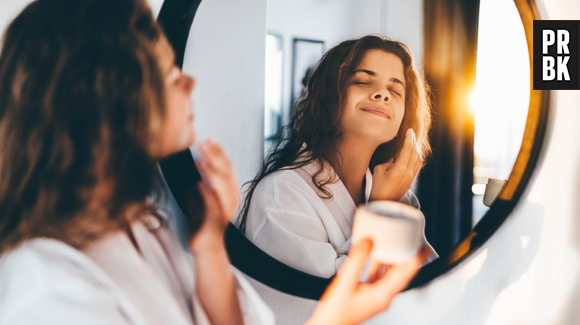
{"type": "Point", "coordinates": [395, 92]}
{"type": "Point", "coordinates": [361, 83]}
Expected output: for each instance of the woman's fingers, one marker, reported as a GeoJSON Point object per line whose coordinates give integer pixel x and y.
{"type": "Point", "coordinates": [215, 159]}
{"type": "Point", "coordinates": [414, 154]}
{"type": "Point", "coordinates": [383, 167]}
{"type": "Point", "coordinates": [417, 161]}
{"type": "Point", "coordinates": [398, 277]}
{"type": "Point", "coordinates": [218, 173]}
{"type": "Point", "coordinates": [407, 150]}
{"type": "Point", "coordinates": [418, 164]}
{"type": "Point", "coordinates": [219, 182]}
{"type": "Point", "coordinates": [209, 198]}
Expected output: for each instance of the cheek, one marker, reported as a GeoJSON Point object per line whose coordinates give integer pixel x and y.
{"type": "Point", "coordinates": [348, 118]}
{"type": "Point", "coordinates": [401, 113]}
{"type": "Point", "coordinates": [178, 131]}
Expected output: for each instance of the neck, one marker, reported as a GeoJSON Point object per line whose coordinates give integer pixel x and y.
{"type": "Point", "coordinates": [352, 164]}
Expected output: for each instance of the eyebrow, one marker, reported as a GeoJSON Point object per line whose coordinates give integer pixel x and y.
{"type": "Point", "coordinates": [372, 73]}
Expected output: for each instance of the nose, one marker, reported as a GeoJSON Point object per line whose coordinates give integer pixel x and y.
{"type": "Point", "coordinates": [381, 94]}
{"type": "Point", "coordinates": [189, 83]}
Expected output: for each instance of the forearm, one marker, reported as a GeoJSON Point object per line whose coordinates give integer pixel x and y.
{"type": "Point", "coordinates": [215, 284]}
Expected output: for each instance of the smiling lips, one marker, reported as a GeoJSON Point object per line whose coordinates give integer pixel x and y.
{"type": "Point", "coordinates": [377, 111]}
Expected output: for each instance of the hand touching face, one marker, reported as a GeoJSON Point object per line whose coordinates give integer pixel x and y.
{"type": "Point", "coordinates": [392, 181]}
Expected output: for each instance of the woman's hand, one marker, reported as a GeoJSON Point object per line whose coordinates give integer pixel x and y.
{"type": "Point", "coordinates": [220, 194]}
{"type": "Point", "coordinates": [392, 181]}
{"type": "Point", "coordinates": [348, 301]}
{"type": "Point", "coordinates": [215, 283]}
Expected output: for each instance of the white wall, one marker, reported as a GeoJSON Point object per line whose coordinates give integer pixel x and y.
{"type": "Point", "coordinates": [9, 9]}
{"type": "Point", "coordinates": [402, 20]}
{"type": "Point", "coordinates": [226, 53]}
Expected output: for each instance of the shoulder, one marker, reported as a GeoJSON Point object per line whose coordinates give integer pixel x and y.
{"type": "Point", "coordinates": [283, 185]}
{"type": "Point", "coordinates": [47, 263]}
{"type": "Point", "coordinates": [283, 198]}
{"type": "Point", "coordinates": [296, 179]}
{"type": "Point", "coordinates": [281, 180]}
{"type": "Point", "coordinates": [47, 281]}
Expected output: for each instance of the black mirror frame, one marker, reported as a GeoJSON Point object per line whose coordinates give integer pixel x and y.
{"type": "Point", "coordinates": [176, 17]}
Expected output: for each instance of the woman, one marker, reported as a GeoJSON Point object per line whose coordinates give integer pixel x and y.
{"type": "Point", "coordinates": [365, 108]}
{"type": "Point", "coordinates": [90, 99]}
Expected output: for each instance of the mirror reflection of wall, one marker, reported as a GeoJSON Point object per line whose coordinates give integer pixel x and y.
{"type": "Point", "coordinates": [499, 101]}
{"type": "Point", "coordinates": [501, 96]}
{"type": "Point", "coordinates": [273, 89]}
{"type": "Point", "coordinates": [330, 22]}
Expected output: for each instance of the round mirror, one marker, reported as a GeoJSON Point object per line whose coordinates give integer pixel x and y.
{"type": "Point", "coordinates": [251, 65]}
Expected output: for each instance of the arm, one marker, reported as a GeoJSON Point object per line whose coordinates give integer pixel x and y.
{"type": "Point", "coordinates": [215, 283]}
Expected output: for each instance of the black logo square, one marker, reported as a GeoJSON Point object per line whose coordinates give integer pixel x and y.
{"type": "Point", "coordinates": [556, 54]}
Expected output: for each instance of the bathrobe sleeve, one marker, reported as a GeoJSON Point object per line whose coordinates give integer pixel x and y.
{"type": "Point", "coordinates": [289, 221]}
{"type": "Point", "coordinates": [47, 282]}
{"type": "Point", "coordinates": [78, 302]}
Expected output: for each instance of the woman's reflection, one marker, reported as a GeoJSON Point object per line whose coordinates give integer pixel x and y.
{"type": "Point", "coordinates": [365, 108]}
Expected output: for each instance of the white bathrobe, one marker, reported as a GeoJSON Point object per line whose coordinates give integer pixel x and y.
{"type": "Point", "coordinates": [288, 220]}
{"type": "Point", "coordinates": [45, 281]}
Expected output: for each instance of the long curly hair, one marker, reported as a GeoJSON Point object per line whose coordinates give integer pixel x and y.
{"type": "Point", "coordinates": [81, 98]}
{"type": "Point", "coordinates": [316, 116]}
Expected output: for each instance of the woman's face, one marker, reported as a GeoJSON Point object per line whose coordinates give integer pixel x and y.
{"type": "Point", "coordinates": [178, 131]}
{"type": "Point", "coordinates": [375, 102]}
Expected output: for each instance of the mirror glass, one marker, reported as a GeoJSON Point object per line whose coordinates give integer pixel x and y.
{"type": "Point", "coordinates": [297, 33]}
{"type": "Point", "coordinates": [501, 96]}
{"type": "Point", "coordinates": [297, 30]}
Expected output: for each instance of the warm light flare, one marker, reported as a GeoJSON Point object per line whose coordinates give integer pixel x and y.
{"type": "Point", "coordinates": [474, 99]}
{"type": "Point", "coordinates": [501, 95]}
{"type": "Point", "coordinates": [478, 189]}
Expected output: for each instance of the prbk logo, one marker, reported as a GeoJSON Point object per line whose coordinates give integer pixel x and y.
{"type": "Point", "coordinates": [556, 54]}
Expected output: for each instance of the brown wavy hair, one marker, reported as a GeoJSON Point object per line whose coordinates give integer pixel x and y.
{"type": "Point", "coordinates": [316, 117]}
{"type": "Point", "coordinates": [81, 96]}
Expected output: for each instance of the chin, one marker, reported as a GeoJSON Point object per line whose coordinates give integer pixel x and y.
{"type": "Point", "coordinates": [391, 137]}
{"type": "Point", "coordinates": [192, 139]}
{"type": "Point", "coordinates": [381, 137]}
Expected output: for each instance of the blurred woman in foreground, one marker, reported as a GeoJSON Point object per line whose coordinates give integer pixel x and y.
{"type": "Point", "coordinates": [90, 100]}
